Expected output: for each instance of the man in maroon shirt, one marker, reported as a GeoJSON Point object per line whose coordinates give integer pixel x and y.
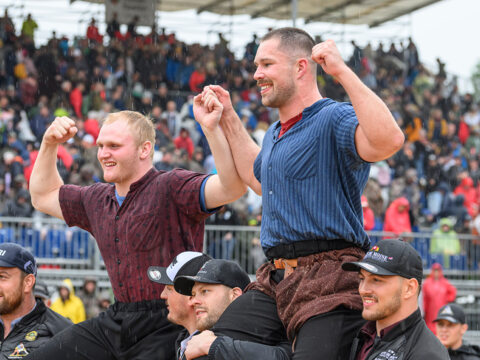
{"type": "Point", "coordinates": [142, 217]}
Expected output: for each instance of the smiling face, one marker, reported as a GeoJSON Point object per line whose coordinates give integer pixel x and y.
{"type": "Point", "coordinates": [124, 159]}
{"type": "Point", "coordinates": [381, 296]}
{"type": "Point", "coordinates": [274, 74]}
{"type": "Point", "coordinates": [209, 302]}
{"type": "Point", "coordinates": [11, 290]}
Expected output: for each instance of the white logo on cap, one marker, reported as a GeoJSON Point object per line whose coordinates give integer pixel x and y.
{"type": "Point", "coordinates": [369, 267]}
{"type": "Point", "coordinates": [155, 274]}
{"type": "Point", "coordinates": [447, 310]}
{"type": "Point", "coordinates": [3, 252]}
{"type": "Point", "coordinates": [180, 260]}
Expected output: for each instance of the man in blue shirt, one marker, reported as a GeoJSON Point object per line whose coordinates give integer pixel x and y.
{"type": "Point", "coordinates": [311, 171]}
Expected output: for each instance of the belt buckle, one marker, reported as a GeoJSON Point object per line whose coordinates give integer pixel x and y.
{"type": "Point", "coordinates": [288, 265]}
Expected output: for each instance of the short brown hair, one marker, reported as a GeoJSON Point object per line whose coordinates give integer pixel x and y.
{"type": "Point", "coordinates": [293, 40]}
{"type": "Point", "coordinates": [141, 126]}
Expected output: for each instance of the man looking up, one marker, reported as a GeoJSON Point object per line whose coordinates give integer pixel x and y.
{"type": "Point", "coordinates": [223, 308]}
{"type": "Point", "coordinates": [390, 282]}
{"type": "Point", "coordinates": [141, 216]}
{"type": "Point", "coordinates": [311, 171]}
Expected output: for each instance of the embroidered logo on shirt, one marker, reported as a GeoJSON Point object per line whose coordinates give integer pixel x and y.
{"type": "Point", "coordinates": [387, 355]}
{"type": "Point", "coordinates": [19, 352]}
{"type": "Point", "coordinates": [31, 336]}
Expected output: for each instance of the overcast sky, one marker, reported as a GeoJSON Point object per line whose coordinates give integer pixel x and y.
{"type": "Point", "coordinates": [447, 29]}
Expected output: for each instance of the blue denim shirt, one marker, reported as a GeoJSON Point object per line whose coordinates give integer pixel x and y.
{"type": "Point", "coordinates": [312, 178]}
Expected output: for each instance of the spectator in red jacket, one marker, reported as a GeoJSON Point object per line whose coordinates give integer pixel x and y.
{"type": "Point", "coordinates": [397, 218]}
{"type": "Point", "coordinates": [93, 34]}
{"type": "Point", "coordinates": [368, 216]}
{"type": "Point", "coordinates": [184, 141]}
{"type": "Point", "coordinates": [437, 292]}
{"type": "Point", "coordinates": [467, 189]}
{"type": "Point", "coordinates": [76, 99]}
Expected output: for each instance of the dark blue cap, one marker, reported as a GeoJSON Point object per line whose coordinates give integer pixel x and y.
{"type": "Point", "coordinates": [13, 255]}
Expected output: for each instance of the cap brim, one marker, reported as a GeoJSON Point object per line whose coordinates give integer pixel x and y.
{"type": "Point", "coordinates": [3, 263]}
{"type": "Point", "coordinates": [184, 284]}
{"type": "Point", "coordinates": [448, 318]}
{"type": "Point", "coordinates": [159, 275]}
{"type": "Point", "coordinates": [371, 268]}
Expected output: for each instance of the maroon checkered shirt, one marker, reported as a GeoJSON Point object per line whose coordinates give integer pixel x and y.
{"type": "Point", "coordinates": [159, 218]}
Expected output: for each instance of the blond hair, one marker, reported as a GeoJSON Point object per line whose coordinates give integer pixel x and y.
{"type": "Point", "coordinates": [140, 125]}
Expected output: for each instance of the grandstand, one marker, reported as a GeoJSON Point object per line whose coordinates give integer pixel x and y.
{"type": "Point", "coordinates": [157, 74]}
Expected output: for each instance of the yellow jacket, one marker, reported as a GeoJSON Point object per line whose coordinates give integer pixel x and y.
{"type": "Point", "coordinates": [71, 308]}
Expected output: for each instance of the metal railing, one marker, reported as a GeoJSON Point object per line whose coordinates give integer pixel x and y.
{"type": "Point", "coordinates": [70, 252]}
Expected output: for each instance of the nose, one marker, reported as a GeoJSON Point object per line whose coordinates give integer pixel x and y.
{"type": "Point", "coordinates": [194, 301]}
{"type": "Point", "coordinates": [258, 75]}
{"type": "Point", "coordinates": [363, 288]}
{"type": "Point", "coordinates": [163, 295]}
{"type": "Point", "coordinates": [102, 153]}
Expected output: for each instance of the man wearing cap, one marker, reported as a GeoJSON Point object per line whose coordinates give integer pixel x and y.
{"type": "Point", "coordinates": [221, 306]}
{"type": "Point", "coordinates": [451, 326]}
{"type": "Point", "coordinates": [25, 323]}
{"type": "Point", "coordinates": [390, 278]}
{"type": "Point", "coordinates": [41, 292]}
{"type": "Point", "coordinates": [180, 309]}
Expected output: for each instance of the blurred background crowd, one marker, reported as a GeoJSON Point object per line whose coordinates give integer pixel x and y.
{"type": "Point", "coordinates": [432, 183]}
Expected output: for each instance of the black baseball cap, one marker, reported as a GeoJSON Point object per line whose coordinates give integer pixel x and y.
{"type": "Point", "coordinates": [14, 255]}
{"type": "Point", "coordinates": [215, 271]}
{"type": "Point", "coordinates": [451, 312]}
{"type": "Point", "coordinates": [185, 263]}
{"type": "Point", "coordinates": [41, 290]}
{"type": "Point", "coordinates": [390, 257]}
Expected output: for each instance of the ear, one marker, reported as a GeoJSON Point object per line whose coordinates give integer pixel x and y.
{"type": "Point", "coordinates": [410, 288]}
{"type": "Point", "coordinates": [236, 292]}
{"type": "Point", "coordinates": [145, 149]}
{"type": "Point", "coordinates": [464, 328]}
{"type": "Point", "coordinates": [302, 67]}
{"type": "Point", "coordinates": [28, 283]}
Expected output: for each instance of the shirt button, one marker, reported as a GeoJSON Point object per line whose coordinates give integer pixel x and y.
{"type": "Point", "coordinates": [120, 284]}
{"type": "Point", "coordinates": [117, 217]}
{"type": "Point", "coordinates": [118, 261]}
{"type": "Point", "coordinates": [117, 240]}
{"type": "Point", "coordinates": [270, 192]}
{"type": "Point", "coordinates": [269, 168]}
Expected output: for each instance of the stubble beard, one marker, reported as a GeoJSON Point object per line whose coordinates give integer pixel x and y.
{"type": "Point", "coordinates": [9, 304]}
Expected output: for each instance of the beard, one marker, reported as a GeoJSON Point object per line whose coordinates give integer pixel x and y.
{"type": "Point", "coordinates": [394, 303]}
{"type": "Point", "coordinates": [279, 95]}
{"type": "Point", "coordinates": [213, 315]}
{"type": "Point", "coordinates": [11, 302]}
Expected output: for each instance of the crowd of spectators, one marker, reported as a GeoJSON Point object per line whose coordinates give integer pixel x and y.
{"type": "Point", "coordinates": [436, 174]}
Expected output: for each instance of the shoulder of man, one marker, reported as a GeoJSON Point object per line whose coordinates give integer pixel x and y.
{"type": "Point", "coordinates": [55, 322]}
{"type": "Point", "coordinates": [468, 351]}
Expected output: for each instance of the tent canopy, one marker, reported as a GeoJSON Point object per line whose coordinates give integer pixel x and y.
{"type": "Point", "coordinates": [356, 12]}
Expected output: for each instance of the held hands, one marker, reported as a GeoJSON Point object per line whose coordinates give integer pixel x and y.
{"type": "Point", "coordinates": [61, 129]}
{"type": "Point", "coordinates": [207, 109]}
{"type": "Point", "coordinates": [199, 345]}
{"type": "Point", "coordinates": [328, 57]}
